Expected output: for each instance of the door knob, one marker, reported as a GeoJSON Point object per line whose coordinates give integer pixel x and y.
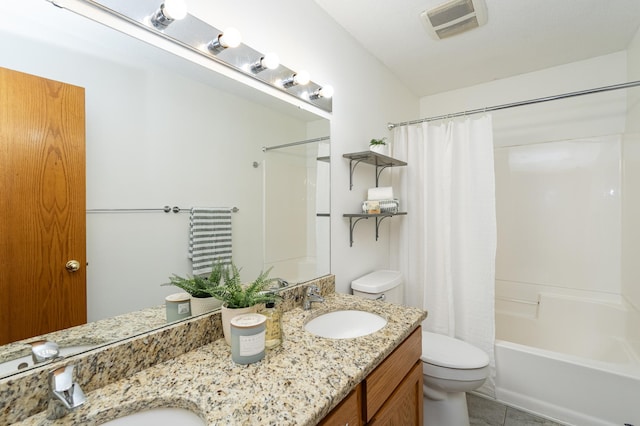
{"type": "Point", "coordinates": [72, 265]}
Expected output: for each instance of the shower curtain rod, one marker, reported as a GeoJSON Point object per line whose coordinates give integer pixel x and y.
{"type": "Point", "coordinates": [390, 126]}
{"type": "Point", "coordinates": [269, 148]}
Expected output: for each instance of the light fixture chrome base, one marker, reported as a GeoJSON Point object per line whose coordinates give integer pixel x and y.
{"type": "Point", "coordinates": [160, 20]}
{"type": "Point", "coordinates": [215, 46]}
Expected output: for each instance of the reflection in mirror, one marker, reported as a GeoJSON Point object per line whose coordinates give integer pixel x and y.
{"type": "Point", "coordinates": [161, 130]}
{"type": "Point", "coordinates": [296, 208]}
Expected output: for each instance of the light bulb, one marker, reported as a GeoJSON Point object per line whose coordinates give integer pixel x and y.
{"type": "Point", "coordinates": [174, 9]}
{"type": "Point", "coordinates": [270, 60]}
{"type": "Point", "coordinates": [230, 38]}
{"type": "Point", "coordinates": [301, 78]}
{"type": "Point", "coordinates": [170, 10]}
{"type": "Point", "coordinates": [325, 92]}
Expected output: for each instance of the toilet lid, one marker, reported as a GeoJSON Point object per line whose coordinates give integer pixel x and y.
{"type": "Point", "coordinates": [445, 351]}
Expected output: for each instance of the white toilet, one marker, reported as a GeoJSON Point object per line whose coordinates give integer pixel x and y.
{"type": "Point", "coordinates": [450, 367]}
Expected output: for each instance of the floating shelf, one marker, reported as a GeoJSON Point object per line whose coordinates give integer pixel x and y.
{"type": "Point", "coordinates": [380, 162]}
{"type": "Point", "coordinates": [359, 216]}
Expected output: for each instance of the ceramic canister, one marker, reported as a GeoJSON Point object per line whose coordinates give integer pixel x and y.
{"type": "Point", "coordinates": [248, 338]}
{"type": "Point", "coordinates": [178, 306]}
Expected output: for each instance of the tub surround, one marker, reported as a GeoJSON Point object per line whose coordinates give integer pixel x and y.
{"type": "Point", "coordinates": [576, 343]}
{"type": "Point", "coordinates": [297, 383]}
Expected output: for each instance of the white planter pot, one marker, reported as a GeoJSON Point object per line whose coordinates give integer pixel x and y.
{"type": "Point", "coordinates": [201, 305]}
{"type": "Point", "coordinates": [380, 149]}
{"type": "Point", "coordinates": [227, 314]}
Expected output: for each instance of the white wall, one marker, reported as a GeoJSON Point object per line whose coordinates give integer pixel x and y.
{"type": "Point", "coordinates": [557, 175]}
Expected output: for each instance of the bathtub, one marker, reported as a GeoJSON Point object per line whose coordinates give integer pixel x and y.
{"type": "Point", "coordinates": [568, 358]}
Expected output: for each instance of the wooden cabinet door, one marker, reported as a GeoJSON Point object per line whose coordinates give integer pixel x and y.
{"type": "Point", "coordinates": [348, 413]}
{"type": "Point", "coordinates": [404, 406]}
{"type": "Point", "coordinates": [387, 376]}
{"type": "Point", "coordinates": [42, 205]}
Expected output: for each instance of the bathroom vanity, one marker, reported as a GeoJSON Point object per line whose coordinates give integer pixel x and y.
{"type": "Point", "coordinates": [305, 380]}
{"type": "Point", "coordinates": [391, 394]}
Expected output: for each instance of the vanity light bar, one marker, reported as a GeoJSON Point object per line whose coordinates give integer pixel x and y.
{"type": "Point", "coordinates": [204, 39]}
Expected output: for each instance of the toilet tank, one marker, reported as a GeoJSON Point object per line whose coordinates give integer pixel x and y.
{"type": "Point", "coordinates": [383, 284]}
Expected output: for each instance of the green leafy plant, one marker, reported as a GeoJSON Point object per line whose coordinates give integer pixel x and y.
{"type": "Point", "coordinates": [224, 284]}
{"type": "Point", "coordinates": [235, 295]}
{"type": "Point", "coordinates": [199, 287]}
{"type": "Point", "coordinates": [378, 141]}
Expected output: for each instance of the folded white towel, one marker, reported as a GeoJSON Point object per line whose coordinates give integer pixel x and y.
{"type": "Point", "coordinates": [381, 193]}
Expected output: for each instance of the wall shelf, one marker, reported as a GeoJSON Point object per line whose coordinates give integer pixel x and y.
{"type": "Point", "coordinates": [380, 162]}
{"type": "Point", "coordinates": [354, 218]}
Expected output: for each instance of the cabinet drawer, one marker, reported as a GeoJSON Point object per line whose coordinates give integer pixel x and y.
{"type": "Point", "coordinates": [387, 376]}
{"type": "Point", "coordinates": [348, 413]}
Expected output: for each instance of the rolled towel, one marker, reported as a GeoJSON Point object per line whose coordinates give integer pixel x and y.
{"type": "Point", "coordinates": [381, 193]}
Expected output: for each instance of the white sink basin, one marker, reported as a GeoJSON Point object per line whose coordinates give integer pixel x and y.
{"type": "Point", "coordinates": [159, 417]}
{"type": "Point", "coordinates": [345, 324]}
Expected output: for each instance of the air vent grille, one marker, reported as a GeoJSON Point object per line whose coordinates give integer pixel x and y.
{"type": "Point", "coordinates": [454, 17]}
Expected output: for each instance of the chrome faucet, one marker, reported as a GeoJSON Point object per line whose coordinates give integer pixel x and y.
{"type": "Point", "coordinates": [274, 286]}
{"type": "Point", "coordinates": [43, 351]}
{"type": "Point", "coordinates": [279, 283]}
{"type": "Point", "coordinates": [313, 295]}
{"type": "Point", "coordinates": [66, 395]}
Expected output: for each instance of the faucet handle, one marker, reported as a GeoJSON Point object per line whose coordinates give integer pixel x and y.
{"type": "Point", "coordinates": [43, 350]}
{"type": "Point", "coordinates": [313, 290]}
{"type": "Point", "coordinates": [63, 387]}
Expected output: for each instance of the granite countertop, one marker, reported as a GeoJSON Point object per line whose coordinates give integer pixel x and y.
{"type": "Point", "coordinates": [297, 383]}
{"type": "Point", "coordinates": [93, 333]}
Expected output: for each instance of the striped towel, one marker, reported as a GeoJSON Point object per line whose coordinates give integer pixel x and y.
{"type": "Point", "coordinates": [209, 238]}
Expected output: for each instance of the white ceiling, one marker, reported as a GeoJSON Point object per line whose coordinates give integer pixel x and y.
{"type": "Point", "coordinates": [520, 36]}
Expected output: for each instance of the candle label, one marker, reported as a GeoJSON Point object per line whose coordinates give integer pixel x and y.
{"type": "Point", "coordinates": [251, 345]}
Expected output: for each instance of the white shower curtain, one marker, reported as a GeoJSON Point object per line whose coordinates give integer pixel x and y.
{"type": "Point", "coordinates": [446, 244]}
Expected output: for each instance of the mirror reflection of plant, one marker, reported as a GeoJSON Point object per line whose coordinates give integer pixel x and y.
{"type": "Point", "coordinates": [198, 286]}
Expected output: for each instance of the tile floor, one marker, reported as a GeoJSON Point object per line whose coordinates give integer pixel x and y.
{"type": "Point", "coordinates": [485, 412]}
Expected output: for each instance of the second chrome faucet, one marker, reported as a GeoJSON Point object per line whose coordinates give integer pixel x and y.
{"type": "Point", "coordinates": [312, 295]}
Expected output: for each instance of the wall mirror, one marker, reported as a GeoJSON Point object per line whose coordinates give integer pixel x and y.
{"type": "Point", "coordinates": [163, 131]}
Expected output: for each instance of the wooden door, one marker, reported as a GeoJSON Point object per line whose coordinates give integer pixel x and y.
{"type": "Point", "coordinates": [42, 206]}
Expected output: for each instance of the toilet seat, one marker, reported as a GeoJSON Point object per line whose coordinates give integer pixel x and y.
{"type": "Point", "coordinates": [445, 351]}
{"type": "Point", "coordinates": [444, 357]}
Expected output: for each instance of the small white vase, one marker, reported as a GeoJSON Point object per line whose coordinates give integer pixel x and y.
{"type": "Point", "coordinates": [201, 305]}
{"type": "Point", "coordinates": [380, 149]}
{"type": "Point", "coordinates": [228, 313]}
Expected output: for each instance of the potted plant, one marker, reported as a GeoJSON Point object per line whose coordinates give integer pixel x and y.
{"type": "Point", "coordinates": [200, 289]}
{"type": "Point", "coordinates": [238, 298]}
{"type": "Point", "coordinates": [378, 145]}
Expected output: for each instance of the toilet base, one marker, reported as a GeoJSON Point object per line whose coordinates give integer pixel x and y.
{"type": "Point", "coordinates": [451, 411]}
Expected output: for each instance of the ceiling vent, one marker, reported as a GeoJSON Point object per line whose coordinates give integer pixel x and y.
{"type": "Point", "coordinates": [454, 17]}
